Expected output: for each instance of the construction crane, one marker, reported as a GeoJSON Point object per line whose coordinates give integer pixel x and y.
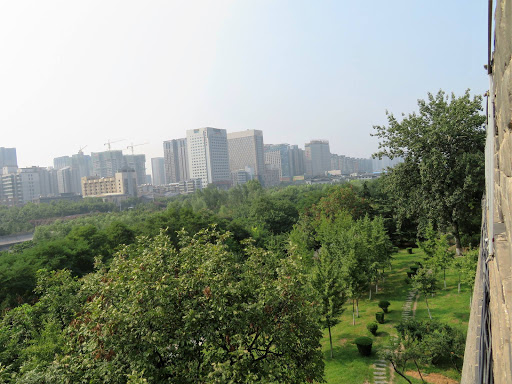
{"type": "Point", "coordinates": [109, 143]}
{"type": "Point", "coordinates": [135, 145]}
{"type": "Point", "coordinates": [81, 150]}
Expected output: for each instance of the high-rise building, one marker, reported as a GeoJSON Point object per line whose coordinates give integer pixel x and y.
{"type": "Point", "coordinates": [242, 176]}
{"type": "Point", "coordinates": [61, 162]}
{"type": "Point", "coordinates": [66, 180]}
{"type": "Point", "coordinates": [317, 157]}
{"type": "Point", "coordinates": [10, 190]}
{"type": "Point", "coordinates": [138, 164]}
{"type": "Point", "coordinates": [30, 184]}
{"type": "Point", "coordinates": [208, 156]}
{"type": "Point", "coordinates": [158, 170]}
{"type": "Point", "coordinates": [107, 163]}
{"type": "Point", "coordinates": [176, 162]}
{"type": "Point", "coordinates": [246, 150]}
{"type": "Point", "coordinates": [277, 156]}
{"type": "Point", "coordinates": [8, 157]}
{"type": "Point", "coordinates": [297, 160]}
{"type": "Point", "coordinates": [380, 165]}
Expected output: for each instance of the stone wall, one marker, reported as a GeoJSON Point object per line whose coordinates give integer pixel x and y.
{"type": "Point", "coordinates": [502, 74]}
{"type": "Point", "coordinates": [500, 273]}
{"type": "Point", "coordinates": [499, 266]}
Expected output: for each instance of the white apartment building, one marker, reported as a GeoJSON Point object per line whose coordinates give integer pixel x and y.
{"type": "Point", "coordinates": [208, 156]}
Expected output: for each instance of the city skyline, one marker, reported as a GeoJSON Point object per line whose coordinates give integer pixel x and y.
{"type": "Point", "coordinates": [82, 74]}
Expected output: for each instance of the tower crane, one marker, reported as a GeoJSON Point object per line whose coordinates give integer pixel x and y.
{"type": "Point", "coordinates": [135, 145]}
{"type": "Point", "coordinates": [109, 143]}
{"type": "Point", "coordinates": [81, 150]}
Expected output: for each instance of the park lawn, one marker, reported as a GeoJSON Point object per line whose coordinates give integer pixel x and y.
{"type": "Point", "coordinates": [347, 366]}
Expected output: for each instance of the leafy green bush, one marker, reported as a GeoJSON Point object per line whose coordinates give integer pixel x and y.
{"type": "Point", "coordinates": [364, 345]}
{"type": "Point", "coordinates": [372, 328]}
{"type": "Point", "coordinates": [384, 304]}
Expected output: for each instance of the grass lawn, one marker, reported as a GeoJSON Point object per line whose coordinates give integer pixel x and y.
{"type": "Point", "coordinates": [347, 366]}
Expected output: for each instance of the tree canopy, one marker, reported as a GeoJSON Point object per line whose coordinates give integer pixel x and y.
{"type": "Point", "coordinates": [442, 176]}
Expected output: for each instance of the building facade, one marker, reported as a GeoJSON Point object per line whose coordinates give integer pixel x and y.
{"type": "Point", "coordinates": [208, 156]}
{"type": "Point", "coordinates": [297, 160]}
{"type": "Point", "coordinates": [138, 164]}
{"type": "Point", "coordinates": [317, 157]}
{"type": "Point", "coordinates": [246, 149]}
{"type": "Point", "coordinates": [158, 170]}
{"type": "Point", "coordinates": [277, 156]}
{"type": "Point", "coordinates": [123, 183]}
{"type": "Point", "coordinates": [8, 157]}
{"type": "Point", "coordinates": [176, 161]}
{"type": "Point", "coordinates": [107, 163]}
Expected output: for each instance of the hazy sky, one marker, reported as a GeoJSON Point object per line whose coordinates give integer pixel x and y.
{"type": "Point", "coordinates": [76, 73]}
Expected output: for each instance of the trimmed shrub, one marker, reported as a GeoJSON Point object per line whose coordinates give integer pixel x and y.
{"type": "Point", "coordinates": [364, 345]}
{"type": "Point", "coordinates": [379, 316]}
{"type": "Point", "coordinates": [384, 304]}
{"type": "Point", "coordinates": [372, 328]}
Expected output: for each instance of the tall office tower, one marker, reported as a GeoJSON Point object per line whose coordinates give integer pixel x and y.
{"type": "Point", "coordinates": [246, 150]}
{"type": "Point", "coordinates": [158, 170]}
{"type": "Point", "coordinates": [82, 163]}
{"type": "Point", "coordinates": [38, 175]}
{"type": "Point", "coordinates": [138, 164]}
{"type": "Point", "coordinates": [53, 183]}
{"type": "Point", "coordinates": [30, 184]}
{"type": "Point", "coordinates": [10, 191]}
{"type": "Point", "coordinates": [208, 156]}
{"type": "Point", "coordinates": [297, 160]}
{"type": "Point", "coordinates": [176, 161]}
{"type": "Point", "coordinates": [317, 157]}
{"type": "Point", "coordinates": [107, 163]}
{"type": "Point", "coordinates": [61, 162]}
{"type": "Point", "coordinates": [66, 180]}
{"type": "Point", "coordinates": [8, 157]}
{"type": "Point", "coordinates": [277, 156]}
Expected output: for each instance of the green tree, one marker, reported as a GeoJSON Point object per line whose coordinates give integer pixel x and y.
{"type": "Point", "coordinates": [443, 256]}
{"type": "Point", "coordinates": [442, 176]}
{"type": "Point", "coordinates": [428, 245]}
{"type": "Point", "coordinates": [195, 314]}
{"type": "Point", "coordinates": [425, 281]}
{"type": "Point", "coordinates": [327, 280]}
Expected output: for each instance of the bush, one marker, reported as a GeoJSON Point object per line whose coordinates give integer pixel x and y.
{"type": "Point", "coordinates": [364, 345]}
{"type": "Point", "coordinates": [372, 328]}
{"type": "Point", "coordinates": [384, 304]}
{"type": "Point", "coordinates": [415, 268]}
{"type": "Point", "coordinates": [410, 274]}
{"type": "Point", "coordinates": [379, 316]}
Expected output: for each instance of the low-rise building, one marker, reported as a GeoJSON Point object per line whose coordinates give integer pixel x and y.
{"type": "Point", "coordinates": [124, 183]}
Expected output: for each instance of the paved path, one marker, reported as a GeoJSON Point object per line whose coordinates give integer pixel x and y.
{"type": "Point", "coordinates": [7, 241]}
{"type": "Point", "coordinates": [380, 367]}
{"type": "Point", "coordinates": [407, 312]}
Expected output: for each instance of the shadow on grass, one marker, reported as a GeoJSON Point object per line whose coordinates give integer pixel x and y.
{"type": "Point", "coordinates": [382, 334]}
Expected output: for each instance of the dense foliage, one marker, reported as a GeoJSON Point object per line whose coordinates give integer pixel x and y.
{"type": "Point", "coordinates": [442, 177]}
